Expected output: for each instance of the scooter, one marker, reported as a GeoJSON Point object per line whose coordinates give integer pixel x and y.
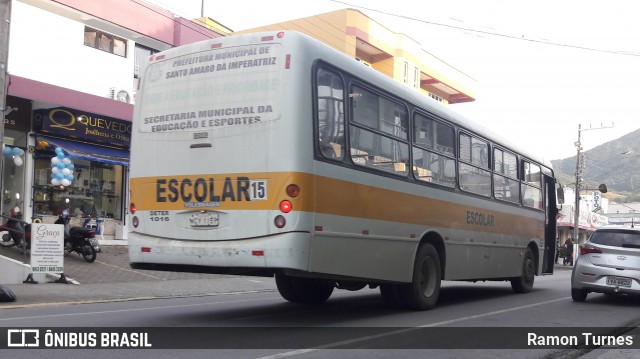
{"type": "Point", "coordinates": [16, 231]}
{"type": "Point", "coordinates": [78, 239]}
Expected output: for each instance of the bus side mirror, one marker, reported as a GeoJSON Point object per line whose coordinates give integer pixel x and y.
{"type": "Point", "coordinates": [560, 195]}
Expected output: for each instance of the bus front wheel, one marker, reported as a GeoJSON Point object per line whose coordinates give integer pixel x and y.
{"type": "Point", "coordinates": [422, 293]}
{"type": "Point", "coordinates": [303, 290]}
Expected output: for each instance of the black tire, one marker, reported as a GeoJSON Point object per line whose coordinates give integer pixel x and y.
{"type": "Point", "coordinates": [390, 295]}
{"type": "Point", "coordinates": [7, 240]}
{"type": "Point", "coordinates": [89, 253]}
{"type": "Point", "coordinates": [423, 292]}
{"type": "Point", "coordinates": [524, 283]}
{"type": "Point", "coordinates": [303, 290]}
{"type": "Point", "coordinates": [578, 295]}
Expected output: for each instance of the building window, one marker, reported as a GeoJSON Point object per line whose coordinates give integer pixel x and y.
{"type": "Point", "coordinates": [105, 42]}
{"type": "Point", "coordinates": [96, 190]}
{"type": "Point", "coordinates": [405, 73]}
{"type": "Point", "coordinates": [141, 54]}
{"type": "Point", "coordinates": [436, 97]}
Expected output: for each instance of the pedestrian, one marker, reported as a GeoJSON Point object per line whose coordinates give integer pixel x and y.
{"type": "Point", "coordinates": [568, 245]}
{"type": "Point", "coordinates": [557, 249]}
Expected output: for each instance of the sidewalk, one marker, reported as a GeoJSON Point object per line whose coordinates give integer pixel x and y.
{"type": "Point", "coordinates": [110, 278]}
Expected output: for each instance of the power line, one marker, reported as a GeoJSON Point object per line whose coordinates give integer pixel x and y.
{"type": "Point", "coordinates": [521, 38]}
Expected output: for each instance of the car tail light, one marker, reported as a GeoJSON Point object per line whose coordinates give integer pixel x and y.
{"type": "Point", "coordinates": [588, 248]}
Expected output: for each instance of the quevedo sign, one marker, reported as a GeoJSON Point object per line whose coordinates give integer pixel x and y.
{"type": "Point", "coordinates": [83, 126]}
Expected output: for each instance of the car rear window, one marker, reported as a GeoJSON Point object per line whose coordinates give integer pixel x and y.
{"type": "Point", "coordinates": [616, 238]}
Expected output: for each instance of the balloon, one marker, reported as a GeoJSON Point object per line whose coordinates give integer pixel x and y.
{"type": "Point", "coordinates": [59, 175]}
{"type": "Point", "coordinates": [60, 155]}
{"type": "Point", "coordinates": [6, 151]}
{"type": "Point", "coordinates": [58, 150]}
{"type": "Point", "coordinates": [18, 161]}
{"type": "Point", "coordinates": [55, 182]}
{"type": "Point", "coordinates": [70, 178]}
{"type": "Point", "coordinates": [17, 151]}
{"type": "Point", "coordinates": [70, 166]}
{"type": "Point", "coordinates": [65, 182]}
{"type": "Point", "coordinates": [55, 170]}
{"type": "Point", "coordinates": [55, 161]}
{"type": "Point", "coordinates": [66, 161]}
{"type": "Point", "coordinates": [60, 165]}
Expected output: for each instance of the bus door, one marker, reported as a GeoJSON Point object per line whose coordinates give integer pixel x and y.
{"type": "Point", "coordinates": [550, 230]}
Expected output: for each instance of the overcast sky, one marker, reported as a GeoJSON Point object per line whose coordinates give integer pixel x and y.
{"type": "Point", "coordinates": [542, 66]}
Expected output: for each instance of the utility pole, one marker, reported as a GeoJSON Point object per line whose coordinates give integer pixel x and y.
{"type": "Point", "coordinates": [579, 167]}
{"type": "Point", "coordinates": [5, 23]}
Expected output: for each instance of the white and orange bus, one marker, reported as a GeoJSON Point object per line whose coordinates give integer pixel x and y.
{"type": "Point", "coordinates": [273, 154]}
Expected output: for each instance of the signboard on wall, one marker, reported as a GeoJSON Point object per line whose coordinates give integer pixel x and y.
{"type": "Point", "coordinates": [47, 248]}
{"type": "Point", "coordinates": [83, 126]}
{"type": "Point", "coordinates": [17, 116]}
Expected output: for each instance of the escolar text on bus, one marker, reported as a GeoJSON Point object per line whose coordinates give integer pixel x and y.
{"type": "Point", "coordinates": [205, 192]}
{"type": "Point", "coordinates": [480, 219]}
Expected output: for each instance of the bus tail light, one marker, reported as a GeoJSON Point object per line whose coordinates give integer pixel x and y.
{"type": "Point", "coordinates": [279, 221]}
{"type": "Point", "coordinates": [132, 208]}
{"type": "Point", "coordinates": [293, 190]}
{"type": "Point", "coordinates": [286, 206]}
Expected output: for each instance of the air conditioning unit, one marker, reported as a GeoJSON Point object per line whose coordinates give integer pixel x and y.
{"type": "Point", "coordinates": [119, 95]}
{"type": "Point", "coordinates": [123, 96]}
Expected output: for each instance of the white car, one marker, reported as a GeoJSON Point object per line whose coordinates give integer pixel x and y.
{"type": "Point", "coordinates": [609, 262]}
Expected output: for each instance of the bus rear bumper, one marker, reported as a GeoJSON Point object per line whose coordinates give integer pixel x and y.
{"type": "Point", "coordinates": [263, 254]}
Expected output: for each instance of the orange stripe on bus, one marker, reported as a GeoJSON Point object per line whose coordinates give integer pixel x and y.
{"type": "Point", "coordinates": [332, 196]}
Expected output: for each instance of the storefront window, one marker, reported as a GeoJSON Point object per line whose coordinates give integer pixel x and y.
{"type": "Point", "coordinates": [95, 192]}
{"type": "Point", "coordinates": [13, 172]}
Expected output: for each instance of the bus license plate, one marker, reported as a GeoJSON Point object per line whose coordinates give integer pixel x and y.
{"type": "Point", "coordinates": [619, 282]}
{"type": "Point", "coordinates": [207, 219]}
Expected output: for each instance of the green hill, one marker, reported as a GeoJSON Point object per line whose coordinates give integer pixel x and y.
{"type": "Point", "coordinates": [615, 163]}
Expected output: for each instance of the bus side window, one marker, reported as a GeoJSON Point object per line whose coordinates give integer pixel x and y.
{"type": "Point", "coordinates": [532, 186]}
{"type": "Point", "coordinates": [330, 115]}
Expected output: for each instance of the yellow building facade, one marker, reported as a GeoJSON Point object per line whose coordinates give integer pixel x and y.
{"type": "Point", "coordinates": [394, 54]}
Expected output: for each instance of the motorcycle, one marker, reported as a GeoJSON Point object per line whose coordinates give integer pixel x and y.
{"type": "Point", "coordinates": [16, 232]}
{"type": "Point", "coordinates": [79, 239]}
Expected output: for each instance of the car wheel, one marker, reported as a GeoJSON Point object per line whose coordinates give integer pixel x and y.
{"type": "Point", "coordinates": [578, 295]}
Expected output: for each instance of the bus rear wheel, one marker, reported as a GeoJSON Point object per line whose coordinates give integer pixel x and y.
{"type": "Point", "coordinates": [524, 283]}
{"type": "Point", "coordinates": [303, 290]}
{"type": "Point", "coordinates": [423, 292]}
